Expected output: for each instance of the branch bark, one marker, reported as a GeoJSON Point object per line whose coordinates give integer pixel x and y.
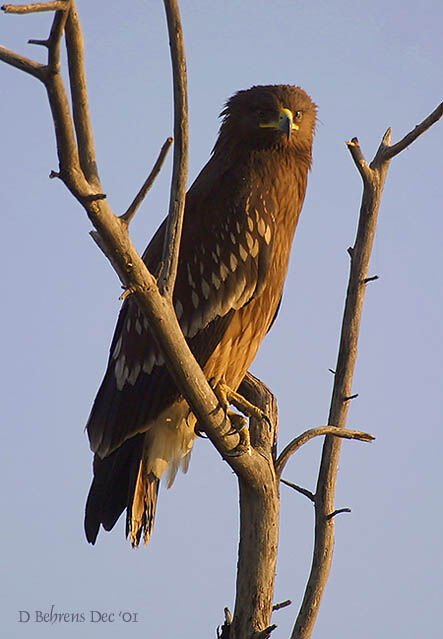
{"type": "Point", "coordinates": [373, 176]}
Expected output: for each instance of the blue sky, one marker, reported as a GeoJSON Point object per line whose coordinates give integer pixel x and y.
{"type": "Point", "coordinates": [368, 66]}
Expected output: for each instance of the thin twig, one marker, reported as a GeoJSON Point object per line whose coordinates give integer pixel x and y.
{"type": "Point", "coordinates": [373, 278]}
{"type": "Point", "coordinates": [338, 512]}
{"type": "Point", "coordinates": [373, 176]}
{"type": "Point", "coordinates": [132, 209]}
{"type": "Point", "coordinates": [282, 604]}
{"type": "Point", "coordinates": [304, 491]}
{"type": "Point", "coordinates": [58, 5]}
{"type": "Point", "coordinates": [40, 43]}
{"type": "Point", "coordinates": [264, 634]}
{"type": "Point", "coordinates": [171, 247]}
{"type": "Point", "coordinates": [297, 442]}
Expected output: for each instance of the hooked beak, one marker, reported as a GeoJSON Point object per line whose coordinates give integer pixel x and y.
{"type": "Point", "coordinates": [284, 123]}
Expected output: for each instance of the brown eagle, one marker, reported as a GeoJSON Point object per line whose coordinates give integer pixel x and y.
{"type": "Point", "coordinates": [240, 217]}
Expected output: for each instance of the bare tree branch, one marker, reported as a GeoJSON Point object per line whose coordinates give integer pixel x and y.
{"type": "Point", "coordinates": [282, 604]}
{"type": "Point", "coordinates": [49, 74]}
{"type": "Point", "coordinates": [298, 441]}
{"type": "Point", "coordinates": [22, 63]}
{"type": "Point", "coordinates": [338, 512]}
{"type": "Point", "coordinates": [373, 176]}
{"type": "Point", "coordinates": [132, 209]}
{"type": "Point", "coordinates": [304, 491]}
{"type": "Point", "coordinates": [171, 245]}
{"type": "Point", "coordinates": [388, 152]}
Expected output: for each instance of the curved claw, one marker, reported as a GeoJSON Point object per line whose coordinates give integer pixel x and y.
{"type": "Point", "coordinates": [244, 445]}
{"type": "Point", "coordinates": [238, 451]}
{"type": "Point", "coordinates": [232, 431]}
{"type": "Point", "coordinates": [267, 420]}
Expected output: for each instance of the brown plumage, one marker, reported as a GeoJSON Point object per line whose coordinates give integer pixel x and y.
{"type": "Point", "coordinates": [240, 217]}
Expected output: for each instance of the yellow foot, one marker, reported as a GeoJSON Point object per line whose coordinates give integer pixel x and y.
{"type": "Point", "coordinates": [227, 396]}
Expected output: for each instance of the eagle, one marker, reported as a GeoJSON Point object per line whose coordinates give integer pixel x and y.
{"type": "Point", "coordinates": [240, 216]}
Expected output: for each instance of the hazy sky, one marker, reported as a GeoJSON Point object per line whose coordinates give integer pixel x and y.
{"type": "Point", "coordinates": [368, 66]}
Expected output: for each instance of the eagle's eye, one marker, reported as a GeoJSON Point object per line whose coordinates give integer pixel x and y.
{"type": "Point", "coordinates": [298, 115]}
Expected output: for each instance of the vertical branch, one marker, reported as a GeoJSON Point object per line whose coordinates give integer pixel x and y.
{"type": "Point", "coordinates": [79, 96]}
{"type": "Point", "coordinates": [373, 176]}
{"type": "Point", "coordinates": [325, 492]}
{"type": "Point", "coordinates": [171, 247]}
{"type": "Point", "coordinates": [259, 522]}
{"type": "Point", "coordinates": [67, 148]}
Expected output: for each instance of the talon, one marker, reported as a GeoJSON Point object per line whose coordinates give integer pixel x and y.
{"type": "Point", "coordinates": [244, 445]}
{"type": "Point", "coordinates": [199, 433]}
{"type": "Point", "coordinates": [238, 423]}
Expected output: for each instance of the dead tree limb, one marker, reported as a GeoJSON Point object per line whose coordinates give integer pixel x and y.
{"type": "Point", "coordinates": [373, 176]}
{"type": "Point", "coordinates": [298, 441]}
{"type": "Point", "coordinates": [132, 209]}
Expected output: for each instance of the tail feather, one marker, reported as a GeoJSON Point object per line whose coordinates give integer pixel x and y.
{"type": "Point", "coordinates": [129, 477]}
{"type": "Point", "coordinates": [140, 514]}
{"type": "Point", "coordinates": [112, 487]}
